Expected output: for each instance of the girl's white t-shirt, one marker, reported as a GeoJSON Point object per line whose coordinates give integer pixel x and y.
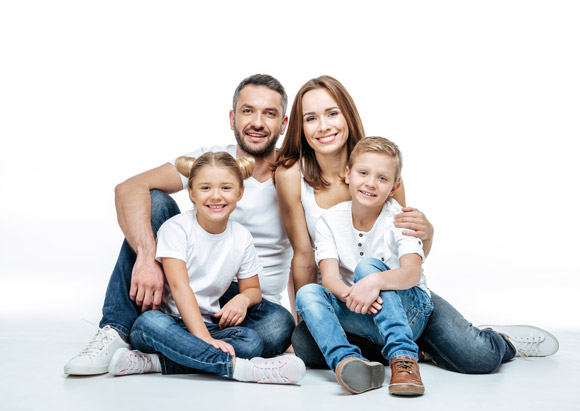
{"type": "Point", "coordinates": [212, 260]}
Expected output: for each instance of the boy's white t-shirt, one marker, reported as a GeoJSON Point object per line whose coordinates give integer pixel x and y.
{"type": "Point", "coordinates": [258, 211]}
{"type": "Point", "coordinates": [212, 260]}
{"type": "Point", "coordinates": [337, 238]}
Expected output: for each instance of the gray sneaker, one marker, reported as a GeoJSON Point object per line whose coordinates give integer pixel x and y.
{"type": "Point", "coordinates": [96, 357]}
{"type": "Point", "coordinates": [357, 375]}
{"type": "Point", "coordinates": [529, 341]}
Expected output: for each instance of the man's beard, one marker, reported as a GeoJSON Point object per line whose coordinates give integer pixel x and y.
{"type": "Point", "coordinates": [261, 152]}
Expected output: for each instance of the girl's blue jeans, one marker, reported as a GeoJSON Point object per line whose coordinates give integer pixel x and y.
{"type": "Point", "coordinates": [401, 320]}
{"type": "Point", "coordinates": [180, 352]}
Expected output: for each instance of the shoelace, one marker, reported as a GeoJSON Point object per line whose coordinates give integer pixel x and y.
{"type": "Point", "coordinates": [99, 342]}
{"type": "Point", "coordinates": [404, 366]}
{"type": "Point", "coordinates": [526, 347]}
{"type": "Point", "coordinates": [138, 364]}
{"type": "Point", "coordinates": [269, 372]}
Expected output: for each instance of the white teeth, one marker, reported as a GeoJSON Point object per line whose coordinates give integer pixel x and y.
{"type": "Point", "coordinates": [326, 139]}
{"type": "Point", "coordinates": [220, 206]}
{"type": "Point", "coordinates": [366, 193]}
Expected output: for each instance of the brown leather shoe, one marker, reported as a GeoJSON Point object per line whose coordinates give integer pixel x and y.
{"type": "Point", "coordinates": [357, 375]}
{"type": "Point", "coordinates": [405, 377]}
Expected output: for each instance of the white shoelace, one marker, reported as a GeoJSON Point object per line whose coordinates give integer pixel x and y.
{"type": "Point", "coordinates": [139, 363]}
{"type": "Point", "coordinates": [527, 347]}
{"type": "Point", "coordinates": [100, 342]}
{"type": "Point", "coordinates": [269, 372]}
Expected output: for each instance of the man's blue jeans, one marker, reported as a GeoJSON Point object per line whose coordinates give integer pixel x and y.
{"type": "Point", "coordinates": [395, 327]}
{"type": "Point", "coordinates": [271, 321]}
{"type": "Point", "coordinates": [452, 341]}
{"type": "Point", "coordinates": [180, 352]}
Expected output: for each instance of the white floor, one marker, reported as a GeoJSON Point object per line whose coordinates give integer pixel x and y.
{"type": "Point", "coordinates": [35, 350]}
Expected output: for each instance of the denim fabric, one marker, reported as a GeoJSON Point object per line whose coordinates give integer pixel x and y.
{"type": "Point", "coordinates": [271, 321]}
{"type": "Point", "coordinates": [398, 323]}
{"type": "Point", "coordinates": [452, 341]}
{"type": "Point", "coordinates": [119, 311]}
{"type": "Point", "coordinates": [181, 352]}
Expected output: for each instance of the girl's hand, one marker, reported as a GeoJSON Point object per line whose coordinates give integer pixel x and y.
{"type": "Point", "coordinates": [234, 312]}
{"type": "Point", "coordinates": [363, 297]}
{"type": "Point", "coordinates": [413, 219]}
{"type": "Point", "coordinates": [221, 345]}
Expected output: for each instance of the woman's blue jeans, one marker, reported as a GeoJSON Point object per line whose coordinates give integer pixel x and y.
{"type": "Point", "coordinates": [180, 352]}
{"type": "Point", "coordinates": [271, 321]}
{"type": "Point", "coordinates": [395, 327]}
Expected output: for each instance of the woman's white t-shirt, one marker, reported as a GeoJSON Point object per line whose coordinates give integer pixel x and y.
{"type": "Point", "coordinates": [212, 260]}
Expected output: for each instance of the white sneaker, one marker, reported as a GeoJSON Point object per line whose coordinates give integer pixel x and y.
{"type": "Point", "coordinates": [529, 341]}
{"type": "Point", "coordinates": [96, 357]}
{"type": "Point", "coordinates": [285, 369]}
{"type": "Point", "coordinates": [126, 362]}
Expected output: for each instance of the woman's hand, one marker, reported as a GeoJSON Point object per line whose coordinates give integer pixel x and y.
{"type": "Point", "coordinates": [413, 219]}
{"type": "Point", "coordinates": [234, 312]}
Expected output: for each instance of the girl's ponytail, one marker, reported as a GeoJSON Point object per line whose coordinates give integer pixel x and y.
{"type": "Point", "coordinates": [246, 166]}
{"type": "Point", "coordinates": [184, 165]}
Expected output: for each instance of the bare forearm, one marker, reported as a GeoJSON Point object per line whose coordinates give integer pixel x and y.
{"type": "Point", "coordinates": [335, 286]}
{"type": "Point", "coordinates": [304, 271]}
{"type": "Point", "coordinates": [399, 278]}
{"type": "Point", "coordinates": [133, 204]}
{"type": "Point", "coordinates": [189, 311]}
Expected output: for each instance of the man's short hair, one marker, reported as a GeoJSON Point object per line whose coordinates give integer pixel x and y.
{"type": "Point", "coordinates": [262, 80]}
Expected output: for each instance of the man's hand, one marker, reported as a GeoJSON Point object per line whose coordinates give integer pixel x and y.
{"type": "Point", "coordinates": [363, 297]}
{"type": "Point", "coordinates": [147, 283]}
{"type": "Point", "coordinates": [413, 219]}
{"type": "Point", "coordinates": [234, 312]}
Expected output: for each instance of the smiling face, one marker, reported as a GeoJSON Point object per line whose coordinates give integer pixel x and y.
{"type": "Point", "coordinates": [372, 179]}
{"type": "Point", "coordinates": [258, 120]}
{"type": "Point", "coordinates": [215, 192]}
{"type": "Point", "coordinates": [324, 125]}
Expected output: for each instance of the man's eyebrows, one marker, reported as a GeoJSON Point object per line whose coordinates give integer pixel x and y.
{"type": "Point", "coordinates": [245, 105]}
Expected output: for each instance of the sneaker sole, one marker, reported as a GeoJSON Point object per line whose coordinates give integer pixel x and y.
{"type": "Point", "coordinates": [71, 370]}
{"type": "Point", "coordinates": [357, 376]}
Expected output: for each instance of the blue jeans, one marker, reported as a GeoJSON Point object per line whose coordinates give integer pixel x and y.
{"type": "Point", "coordinates": [180, 352]}
{"type": "Point", "coordinates": [452, 341]}
{"type": "Point", "coordinates": [271, 321]}
{"type": "Point", "coordinates": [395, 327]}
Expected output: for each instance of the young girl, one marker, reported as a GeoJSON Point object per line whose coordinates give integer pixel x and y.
{"type": "Point", "coordinates": [201, 252]}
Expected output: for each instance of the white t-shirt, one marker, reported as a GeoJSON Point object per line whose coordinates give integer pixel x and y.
{"type": "Point", "coordinates": [212, 260]}
{"type": "Point", "coordinates": [337, 238]}
{"type": "Point", "coordinates": [258, 211]}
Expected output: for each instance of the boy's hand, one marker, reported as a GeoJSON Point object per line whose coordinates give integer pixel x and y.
{"type": "Point", "coordinates": [363, 297]}
{"type": "Point", "coordinates": [234, 312]}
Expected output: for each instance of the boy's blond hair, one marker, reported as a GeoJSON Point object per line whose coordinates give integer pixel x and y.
{"type": "Point", "coordinates": [378, 145]}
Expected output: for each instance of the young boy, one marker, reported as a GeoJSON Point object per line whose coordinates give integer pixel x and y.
{"type": "Point", "coordinates": [372, 280]}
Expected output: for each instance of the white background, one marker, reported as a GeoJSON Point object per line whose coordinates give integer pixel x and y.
{"type": "Point", "coordinates": [482, 97]}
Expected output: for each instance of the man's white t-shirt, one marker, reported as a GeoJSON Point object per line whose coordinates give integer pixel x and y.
{"type": "Point", "coordinates": [258, 211]}
{"type": "Point", "coordinates": [337, 238]}
{"type": "Point", "coordinates": [212, 260]}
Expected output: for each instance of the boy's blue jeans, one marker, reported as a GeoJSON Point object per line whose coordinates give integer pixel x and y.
{"type": "Point", "coordinates": [451, 340]}
{"type": "Point", "coordinates": [180, 352]}
{"type": "Point", "coordinates": [271, 321]}
{"type": "Point", "coordinates": [395, 327]}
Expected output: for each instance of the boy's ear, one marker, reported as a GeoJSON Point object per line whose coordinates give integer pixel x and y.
{"type": "Point", "coordinates": [347, 175]}
{"type": "Point", "coordinates": [394, 189]}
